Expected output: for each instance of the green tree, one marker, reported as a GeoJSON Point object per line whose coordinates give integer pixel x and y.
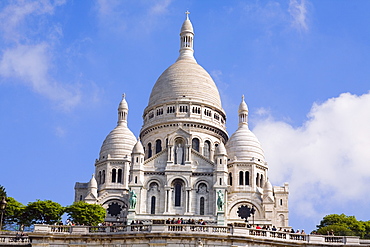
{"type": "Point", "coordinates": [2, 192]}
{"type": "Point", "coordinates": [342, 225]}
{"type": "Point", "coordinates": [42, 212]}
{"type": "Point", "coordinates": [85, 213]}
{"type": "Point", "coordinates": [13, 212]}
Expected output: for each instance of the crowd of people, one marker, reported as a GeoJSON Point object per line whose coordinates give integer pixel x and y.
{"type": "Point", "coordinates": [182, 221]}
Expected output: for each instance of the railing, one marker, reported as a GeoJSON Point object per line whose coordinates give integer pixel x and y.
{"type": "Point", "coordinates": [333, 239]}
{"type": "Point", "coordinates": [199, 229]}
{"type": "Point", "coordinates": [14, 240]}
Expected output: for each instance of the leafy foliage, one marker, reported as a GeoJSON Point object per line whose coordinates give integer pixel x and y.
{"type": "Point", "coordinates": [42, 212]}
{"type": "Point", "coordinates": [86, 214]}
{"type": "Point", "coordinates": [2, 192]}
{"type": "Point", "coordinates": [13, 212]}
{"type": "Point", "coordinates": [342, 225]}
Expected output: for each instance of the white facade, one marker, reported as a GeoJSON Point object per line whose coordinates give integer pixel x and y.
{"type": "Point", "coordinates": [184, 165]}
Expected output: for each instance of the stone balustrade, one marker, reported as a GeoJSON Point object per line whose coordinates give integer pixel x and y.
{"type": "Point", "coordinates": [199, 230]}
{"type": "Point", "coordinates": [14, 239]}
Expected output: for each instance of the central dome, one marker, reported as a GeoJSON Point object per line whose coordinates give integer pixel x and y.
{"type": "Point", "coordinates": [185, 80]}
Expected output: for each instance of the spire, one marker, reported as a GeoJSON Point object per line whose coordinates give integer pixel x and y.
{"type": "Point", "coordinates": [186, 39]}
{"type": "Point", "coordinates": [243, 113]}
{"type": "Point", "coordinates": [122, 111]}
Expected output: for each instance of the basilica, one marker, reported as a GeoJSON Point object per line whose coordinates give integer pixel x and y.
{"type": "Point", "coordinates": [184, 164]}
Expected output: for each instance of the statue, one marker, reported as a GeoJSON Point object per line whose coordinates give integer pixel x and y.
{"type": "Point", "coordinates": [179, 152]}
{"type": "Point", "coordinates": [133, 199]}
{"type": "Point", "coordinates": [220, 200]}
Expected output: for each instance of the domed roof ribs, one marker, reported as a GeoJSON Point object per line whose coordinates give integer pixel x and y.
{"type": "Point", "coordinates": [243, 113]}
{"type": "Point", "coordinates": [186, 39]}
{"type": "Point", "coordinates": [122, 111]}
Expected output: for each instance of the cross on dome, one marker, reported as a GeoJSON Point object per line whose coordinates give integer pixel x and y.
{"type": "Point", "coordinates": [187, 15]}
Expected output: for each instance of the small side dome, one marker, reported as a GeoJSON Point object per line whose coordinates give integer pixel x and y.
{"type": "Point", "coordinates": [220, 149]}
{"type": "Point", "coordinates": [244, 145]}
{"type": "Point", "coordinates": [118, 143]}
{"type": "Point", "coordinates": [93, 183]}
{"type": "Point", "coordinates": [138, 148]}
{"type": "Point", "coordinates": [268, 186]}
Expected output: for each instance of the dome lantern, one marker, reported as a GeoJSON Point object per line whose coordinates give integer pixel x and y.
{"type": "Point", "coordinates": [243, 112]}
{"type": "Point", "coordinates": [186, 39]}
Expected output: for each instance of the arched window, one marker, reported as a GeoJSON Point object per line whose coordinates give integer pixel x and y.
{"type": "Point", "coordinates": [149, 150]}
{"type": "Point", "coordinates": [158, 146]}
{"type": "Point", "coordinates": [152, 205]}
{"type": "Point", "coordinates": [207, 149]}
{"type": "Point", "coordinates": [281, 202]}
{"type": "Point", "coordinates": [241, 178]}
{"type": "Point", "coordinates": [282, 220]}
{"type": "Point", "coordinates": [99, 177]}
{"type": "Point", "coordinates": [178, 190]}
{"type": "Point", "coordinates": [257, 179]}
{"type": "Point", "coordinates": [201, 206]}
{"type": "Point", "coordinates": [230, 179]}
{"type": "Point", "coordinates": [119, 178]}
{"type": "Point", "coordinates": [247, 178]}
{"type": "Point", "coordinates": [103, 177]}
{"type": "Point", "coordinates": [135, 179]}
{"type": "Point", "coordinates": [80, 197]}
{"type": "Point", "coordinates": [195, 144]}
{"type": "Point", "coordinates": [114, 174]}
{"type": "Point", "coordinates": [220, 181]}
{"type": "Point", "coordinates": [261, 181]}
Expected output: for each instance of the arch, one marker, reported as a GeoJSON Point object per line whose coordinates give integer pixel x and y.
{"type": "Point", "coordinates": [150, 150]}
{"type": "Point", "coordinates": [201, 206]}
{"type": "Point", "coordinates": [246, 178]}
{"type": "Point", "coordinates": [261, 180]}
{"type": "Point", "coordinates": [178, 186]}
{"type": "Point", "coordinates": [282, 220]}
{"type": "Point", "coordinates": [158, 146]}
{"type": "Point", "coordinates": [257, 179]}
{"type": "Point", "coordinates": [152, 205]}
{"type": "Point", "coordinates": [103, 177]}
{"type": "Point", "coordinates": [207, 149]}
{"type": "Point", "coordinates": [230, 179]}
{"type": "Point", "coordinates": [99, 178]}
{"type": "Point", "coordinates": [153, 186]}
{"type": "Point", "coordinates": [202, 188]}
{"type": "Point", "coordinates": [195, 144]}
{"type": "Point", "coordinates": [114, 174]}
{"type": "Point", "coordinates": [179, 151]}
{"type": "Point", "coordinates": [241, 178]}
{"type": "Point", "coordinates": [119, 178]}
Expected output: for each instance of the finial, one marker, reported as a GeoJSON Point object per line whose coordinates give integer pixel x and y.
{"type": "Point", "coordinates": [123, 95]}
{"type": "Point", "coordinates": [243, 97]}
{"type": "Point", "coordinates": [187, 15]}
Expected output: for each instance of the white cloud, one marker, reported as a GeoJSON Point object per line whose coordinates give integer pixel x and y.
{"type": "Point", "coordinates": [28, 52]}
{"type": "Point", "coordinates": [298, 13]}
{"type": "Point", "coordinates": [30, 64]}
{"type": "Point", "coordinates": [326, 160]}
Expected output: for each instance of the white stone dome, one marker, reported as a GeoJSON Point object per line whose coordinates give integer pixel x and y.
{"type": "Point", "coordinates": [185, 80]}
{"type": "Point", "coordinates": [244, 146]}
{"type": "Point", "coordinates": [220, 149]}
{"type": "Point", "coordinates": [119, 143]}
{"type": "Point", "coordinates": [138, 148]}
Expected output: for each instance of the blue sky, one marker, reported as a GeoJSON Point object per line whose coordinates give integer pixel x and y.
{"type": "Point", "coordinates": [302, 65]}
